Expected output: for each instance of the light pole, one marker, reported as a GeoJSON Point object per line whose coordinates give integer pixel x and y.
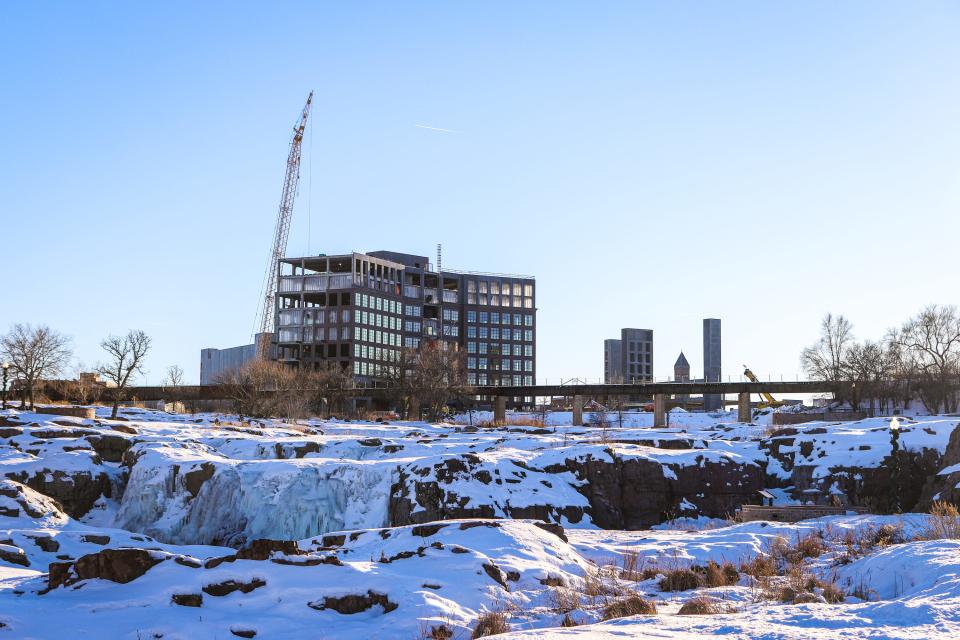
{"type": "Point", "coordinates": [6, 368]}
{"type": "Point", "coordinates": [895, 466]}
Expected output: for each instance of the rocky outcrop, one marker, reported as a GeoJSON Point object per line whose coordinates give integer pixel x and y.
{"type": "Point", "coordinates": [77, 491]}
{"type": "Point", "coordinates": [944, 486]}
{"type": "Point", "coordinates": [116, 565]}
{"type": "Point", "coordinates": [351, 604]}
{"type": "Point", "coordinates": [637, 493]}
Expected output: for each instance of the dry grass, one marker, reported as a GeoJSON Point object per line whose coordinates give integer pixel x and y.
{"type": "Point", "coordinates": [787, 554]}
{"type": "Point", "coordinates": [720, 575]}
{"type": "Point", "coordinates": [568, 621]}
{"type": "Point", "coordinates": [943, 522]}
{"type": "Point", "coordinates": [679, 580]}
{"type": "Point", "coordinates": [632, 568]}
{"type": "Point", "coordinates": [632, 605]}
{"type": "Point", "coordinates": [565, 600]}
{"type": "Point", "coordinates": [491, 623]}
{"type": "Point", "coordinates": [701, 606]}
{"type": "Point", "coordinates": [761, 566]}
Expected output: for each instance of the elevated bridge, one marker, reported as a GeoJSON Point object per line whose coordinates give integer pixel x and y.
{"type": "Point", "coordinates": [579, 392]}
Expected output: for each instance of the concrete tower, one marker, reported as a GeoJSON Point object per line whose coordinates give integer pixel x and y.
{"type": "Point", "coordinates": [711, 362]}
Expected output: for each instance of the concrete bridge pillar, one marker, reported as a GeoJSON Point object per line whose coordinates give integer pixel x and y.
{"type": "Point", "coordinates": [744, 413]}
{"type": "Point", "coordinates": [499, 409]}
{"type": "Point", "coordinates": [577, 411]}
{"type": "Point", "coordinates": [659, 410]}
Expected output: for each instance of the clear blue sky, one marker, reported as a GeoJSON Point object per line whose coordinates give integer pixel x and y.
{"type": "Point", "coordinates": [652, 163]}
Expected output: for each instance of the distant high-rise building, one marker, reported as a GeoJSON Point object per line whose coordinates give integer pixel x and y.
{"type": "Point", "coordinates": [711, 362]}
{"type": "Point", "coordinates": [636, 355]}
{"type": "Point", "coordinates": [612, 361]}
{"type": "Point", "coordinates": [681, 369]}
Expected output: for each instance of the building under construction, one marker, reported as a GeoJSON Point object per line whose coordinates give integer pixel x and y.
{"type": "Point", "coordinates": [359, 309]}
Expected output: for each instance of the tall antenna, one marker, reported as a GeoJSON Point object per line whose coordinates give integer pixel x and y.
{"type": "Point", "coordinates": [282, 231]}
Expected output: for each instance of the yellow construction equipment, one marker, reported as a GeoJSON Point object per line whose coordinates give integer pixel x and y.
{"type": "Point", "coordinates": [768, 399]}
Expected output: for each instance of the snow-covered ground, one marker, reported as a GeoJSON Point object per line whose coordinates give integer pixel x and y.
{"type": "Point", "coordinates": [416, 530]}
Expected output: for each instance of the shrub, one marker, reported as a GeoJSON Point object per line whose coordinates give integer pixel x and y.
{"type": "Point", "coordinates": [564, 599]}
{"type": "Point", "coordinates": [761, 566]}
{"type": "Point", "coordinates": [832, 593]}
{"type": "Point", "coordinates": [943, 523]}
{"type": "Point", "coordinates": [490, 623]}
{"type": "Point", "coordinates": [699, 607]}
{"type": "Point", "coordinates": [717, 575]}
{"type": "Point", "coordinates": [632, 605]}
{"type": "Point", "coordinates": [680, 580]}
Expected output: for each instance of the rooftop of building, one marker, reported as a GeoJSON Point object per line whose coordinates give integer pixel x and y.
{"type": "Point", "coordinates": [340, 263]}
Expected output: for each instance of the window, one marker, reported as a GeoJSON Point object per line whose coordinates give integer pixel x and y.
{"type": "Point", "coordinates": [484, 332]}
{"type": "Point", "coordinates": [471, 363]}
{"type": "Point", "coordinates": [483, 363]}
{"type": "Point", "coordinates": [527, 381]}
{"type": "Point", "coordinates": [471, 332]}
{"type": "Point", "coordinates": [528, 290]}
{"type": "Point", "coordinates": [471, 316]}
{"type": "Point", "coordinates": [494, 333]}
{"type": "Point", "coordinates": [414, 310]}
{"type": "Point", "coordinates": [517, 290]}
{"type": "Point", "coordinates": [517, 319]}
{"type": "Point", "coordinates": [471, 286]}
{"type": "Point", "coordinates": [471, 347]}
{"type": "Point", "coordinates": [528, 319]}
{"type": "Point", "coordinates": [528, 365]}
{"type": "Point", "coordinates": [517, 350]}
{"type": "Point", "coordinates": [495, 318]}
{"type": "Point", "coordinates": [482, 379]}
{"type": "Point", "coordinates": [517, 365]}
{"type": "Point", "coordinates": [506, 364]}
{"type": "Point", "coordinates": [506, 334]}
{"type": "Point", "coordinates": [528, 335]}
{"type": "Point", "coordinates": [483, 316]}
{"type": "Point", "coordinates": [345, 316]}
{"type": "Point", "coordinates": [528, 350]}
{"type": "Point", "coordinates": [483, 348]}
{"type": "Point", "coordinates": [471, 378]}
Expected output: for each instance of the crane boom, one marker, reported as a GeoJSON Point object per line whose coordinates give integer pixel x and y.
{"type": "Point", "coordinates": [282, 230]}
{"type": "Point", "coordinates": [773, 402]}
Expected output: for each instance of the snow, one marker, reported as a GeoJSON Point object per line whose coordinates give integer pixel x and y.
{"type": "Point", "coordinates": [203, 486]}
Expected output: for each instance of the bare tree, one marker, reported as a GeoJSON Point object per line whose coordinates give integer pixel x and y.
{"type": "Point", "coordinates": [440, 376]}
{"type": "Point", "coordinates": [173, 382]}
{"type": "Point", "coordinates": [824, 360]}
{"type": "Point", "coordinates": [867, 367]}
{"type": "Point", "coordinates": [930, 343]}
{"type": "Point", "coordinates": [328, 387]}
{"type": "Point", "coordinates": [398, 379]}
{"type": "Point", "coordinates": [35, 354]}
{"type": "Point", "coordinates": [126, 355]}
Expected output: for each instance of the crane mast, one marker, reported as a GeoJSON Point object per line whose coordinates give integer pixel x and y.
{"type": "Point", "coordinates": [282, 230]}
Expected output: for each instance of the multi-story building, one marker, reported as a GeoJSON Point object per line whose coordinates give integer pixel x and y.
{"type": "Point", "coordinates": [711, 362]}
{"type": "Point", "coordinates": [636, 355]}
{"type": "Point", "coordinates": [629, 359]}
{"type": "Point", "coordinates": [681, 369]}
{"type": "Point", "coordinates": [359, 310]}
{"type": "Point", "coordinates": [612, 361]}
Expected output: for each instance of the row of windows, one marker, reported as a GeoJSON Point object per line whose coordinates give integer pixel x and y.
{"type": "Point", "coordinates": [497, 286]}
{"type": "Point", "coordinates": [495, 317]}
{"type": "Point", "coordinates": [499, 301]}
{"type": "Point", "coordinates": [379, 337]}
{"type": "Point", "coordinates": [494, 333]}
{"type": "Point", "coordinates": [375, 353]}
{"type": "Point", "coordinates": [635, 357]}
{"type": "Point", "coordinates": [379, 304]}
{"type": "Point", "coordinates": [413, 310]}
{"type": "Point", "coordinates": [378, 320]}
{"type": "Point", "coordinates": [451, 315]}
{"type": "Point", "coordinates": [504, 365]}
{"type": "Point", "coordinates": [482, 379]}
{"type": "Point", "coordinates": [318, 334]}
{"type": "Point", "coordinates": [504, 349]}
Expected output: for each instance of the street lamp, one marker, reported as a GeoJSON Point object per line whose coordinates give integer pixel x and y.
{"type": "Point", "coordinates": [895, 466]}
{"type": "Point", "coordinates": [6, 368]}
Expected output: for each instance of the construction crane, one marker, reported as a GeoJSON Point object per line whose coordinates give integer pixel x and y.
{"type": "Point", "coordinates": [769, 400]}
{"type": "Point", "coordinates": [290, 181]}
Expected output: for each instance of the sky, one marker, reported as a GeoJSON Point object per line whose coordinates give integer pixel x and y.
{"type": "Point", "coordinates": [651, 163]}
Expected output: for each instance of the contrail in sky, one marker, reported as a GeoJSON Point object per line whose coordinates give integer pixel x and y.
{"type": "Point", "coordinates": [423, 126]}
